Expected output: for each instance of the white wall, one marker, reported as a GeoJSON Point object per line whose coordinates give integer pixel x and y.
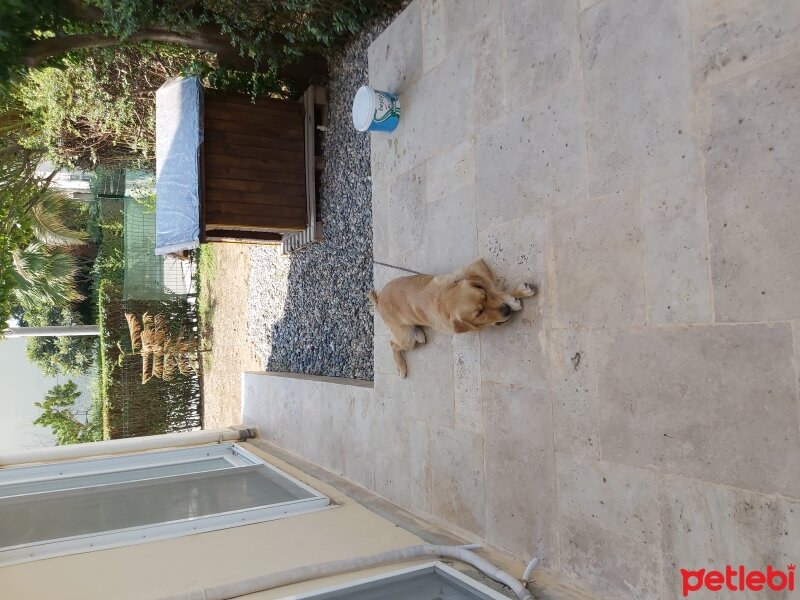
{"type": "Point", "coordinates": [21, 384]}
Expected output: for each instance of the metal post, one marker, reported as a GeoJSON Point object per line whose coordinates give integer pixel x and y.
{"type": "Point", "coordinates": [67, 330]}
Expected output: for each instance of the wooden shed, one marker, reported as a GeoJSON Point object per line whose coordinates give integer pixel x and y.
{"type": "Point", "coordinates": [256, 171]}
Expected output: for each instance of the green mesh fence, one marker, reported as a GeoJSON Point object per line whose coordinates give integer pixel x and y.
{"type": "Point", "coordinates": [154, 284]}
{"type": "Point", "coordinates": [147, 276]}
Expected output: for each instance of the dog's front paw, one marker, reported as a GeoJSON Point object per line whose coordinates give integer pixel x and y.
{"type": "Point", "coordinates": [419, 335]}
{"type": "Point", "coordinates": [527, 290]}
{"type": "Point", "coordinates": [515, 304]}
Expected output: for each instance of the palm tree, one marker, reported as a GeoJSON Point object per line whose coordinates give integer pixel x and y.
{"type": "Point", "coordinates": [44, 275]}
{"type": "Point", "coordinates": [47, 225]}
{"type": "Point", "coordinates": [34, 269]}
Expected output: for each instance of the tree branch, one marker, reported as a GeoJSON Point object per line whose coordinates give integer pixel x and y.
{"type": "Point", "coordinates": [206, 37]}
{"type": "Point", "coordinates": [49, 180]}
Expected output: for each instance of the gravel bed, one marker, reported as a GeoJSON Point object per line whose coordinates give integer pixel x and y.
{"type": "Point", "coordinates": [309, 312]}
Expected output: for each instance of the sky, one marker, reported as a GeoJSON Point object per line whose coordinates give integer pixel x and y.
{"type": "Point", "coordinates": [21, 384]}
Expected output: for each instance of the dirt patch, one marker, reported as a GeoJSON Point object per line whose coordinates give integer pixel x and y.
{"type": "Point", "coordinates": [232, 351]}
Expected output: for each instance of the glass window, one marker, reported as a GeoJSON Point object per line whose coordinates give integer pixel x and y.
{"type": "Point", "coordinates": [74, 506]}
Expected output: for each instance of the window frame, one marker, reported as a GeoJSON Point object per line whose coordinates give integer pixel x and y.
{"type": "Point", "coordinates": [447, 574]}
{"type": "Point", "coordinates": [63, 472]}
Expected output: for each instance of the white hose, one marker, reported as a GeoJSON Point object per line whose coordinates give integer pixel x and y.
{"type": "Point", "coordinates": [526, 576]}
{"type": "Point", "coordinates": [270, 581]}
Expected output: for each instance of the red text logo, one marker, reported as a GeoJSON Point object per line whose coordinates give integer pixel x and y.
{"type": "Point", "coordinates": [738, 580]}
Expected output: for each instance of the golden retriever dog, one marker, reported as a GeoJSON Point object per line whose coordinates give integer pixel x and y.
{"type": "Point", "coordinates": [467, 300]}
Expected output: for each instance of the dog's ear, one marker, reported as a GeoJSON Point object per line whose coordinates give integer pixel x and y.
{"type": "Point", "coordinates": [479, 268]}
{"type": "Point", "coordinates": [461, 326]}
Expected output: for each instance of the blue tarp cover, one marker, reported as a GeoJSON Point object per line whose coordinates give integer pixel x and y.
{"type": "Point", "coordinates": [178, 137]}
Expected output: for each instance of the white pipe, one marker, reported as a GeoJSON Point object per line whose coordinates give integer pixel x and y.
{"type": "Point", "coordinates": [137, 444]}
{"type": "Point", "coordinates": [271, 581]}
{"type": "Point", "coordinates": [55, 330]}
{"type": "Point", "coordinates": [526, 576]}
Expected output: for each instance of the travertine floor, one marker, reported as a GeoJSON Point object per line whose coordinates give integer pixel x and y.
{"type": "Point", "coordinates": [638, 160]}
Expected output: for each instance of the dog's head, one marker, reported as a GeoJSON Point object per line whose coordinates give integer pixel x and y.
{"type": "Point", "coordinates": [473, 301]}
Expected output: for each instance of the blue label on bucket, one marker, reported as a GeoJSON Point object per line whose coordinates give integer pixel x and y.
{"type": "Point", "coordinates": [387, 112]}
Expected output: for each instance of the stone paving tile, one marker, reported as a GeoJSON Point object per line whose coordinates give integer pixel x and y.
{"type": "Point", "coordinates": [406, 212]}
{"type": "Point", "coordinates": [611, 496]}
{"type": "Point", "coordinates": [751, 181]}
{"type": "Point", "coordinates": [532, 160]}
{"type": "Point", "coordinates": [448, 247]}
{"type": "Point", "coordinates": [462, 18]}
{"type": "Point", "coordinates": [608, 564]}
{"type": "Point", "coordinates": [541, 48]}
{"type": "Point", "coordinates": [420, 447]}
{"type": "Point", "coordinates": [384, 360]}
{"type": "Point", "coordinates": [391, 442]}
{"type": "Point", "coordinates": [521, 510]}
{"type": "Point", "coordinates": [515, 352]}
{"type": "Point", "coordinates": [314, 427]}
{"type": "Point", "coordinates": [450, 171]}
{"type": "Point", "coordinates": [574, 387]}
{"type": "Point", "coordinates": [395, 58]}
{"type": "Point", "coordinates": [677, 273]}
{"type": "Point", "coordinates": [467, 383]}
{"type": "Point", "coordinates": [287, 414]}
{"type": "Point", "coordinates": [457, 481]}
{"type": "Point", "coordinates": [598, 263]}
{"type": "Point", "coordinates": [734, 36]}
{"type": "Point", "coordinates": [434, 48]}
{"type": "Point", "coordinates": [638, 89]}
{"type": "Point", "coordinates": [380, 220]}
{"type": "Point", "coordinates": [517, 251]}
{"type": "Point", "coordinates": [430, 383]}
{"type": "Point", "coordinates": [359, 442]}
{"type": "Point", "coordinates": [489, 93]}
{"type": "Point", "coordinates": [713, 402]}
{"type": "Point", "coordinates": [584, 4]}
{"type": "Point", "coordinates": [443, 96]}
{"type": "Point", "coordinates": [709, 526]}
{"type": "Point", "coordinates": [337, 412]}
{"type": "Point", "coordinates": [416, 259]}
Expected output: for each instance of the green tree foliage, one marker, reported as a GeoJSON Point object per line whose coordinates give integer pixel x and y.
{"type": "Point", "coordinates": [268, 35]}
{"type": "Point", "coordinates": [68, 355]}
{"type": "Point", "coordinates": [24, 23]}
{"type": "Point", "coordinates": [62, 355]}
{"type": "Point", "coordinates": [43, 275]}
{"type": "Point", "coordinates": [98, 107]}
{"type": "Point", "coordinates": [33, 269]}
{"type": "Point", "coordinates": [69, 423]}
{"type": "Point", "coordinates": [30, 272]}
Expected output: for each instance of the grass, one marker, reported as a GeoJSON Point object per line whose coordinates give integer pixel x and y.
{"type": "Point", "coordinates": [104, 363]}
{"type": "Point", "coordinates": [205, 275]}
{"type": "Point", "coordinates": [108, 274]}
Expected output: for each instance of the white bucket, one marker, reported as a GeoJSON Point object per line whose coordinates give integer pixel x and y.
{"type": "Point", "coordinates": [375, 110]}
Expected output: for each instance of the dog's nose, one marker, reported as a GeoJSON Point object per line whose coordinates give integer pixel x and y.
{"type": "Point", "coordinates": [505, 309]}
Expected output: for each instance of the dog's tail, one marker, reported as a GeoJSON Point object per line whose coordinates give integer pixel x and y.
{"type": "Point", "coordinates": [373, 297]}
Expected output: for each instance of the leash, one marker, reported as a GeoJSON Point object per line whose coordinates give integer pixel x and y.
{"type": "Point", "coordinates": [396, 267]}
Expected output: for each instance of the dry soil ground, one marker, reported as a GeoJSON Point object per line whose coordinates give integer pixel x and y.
{"type": "Point", "coordinates": [232, 350]}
